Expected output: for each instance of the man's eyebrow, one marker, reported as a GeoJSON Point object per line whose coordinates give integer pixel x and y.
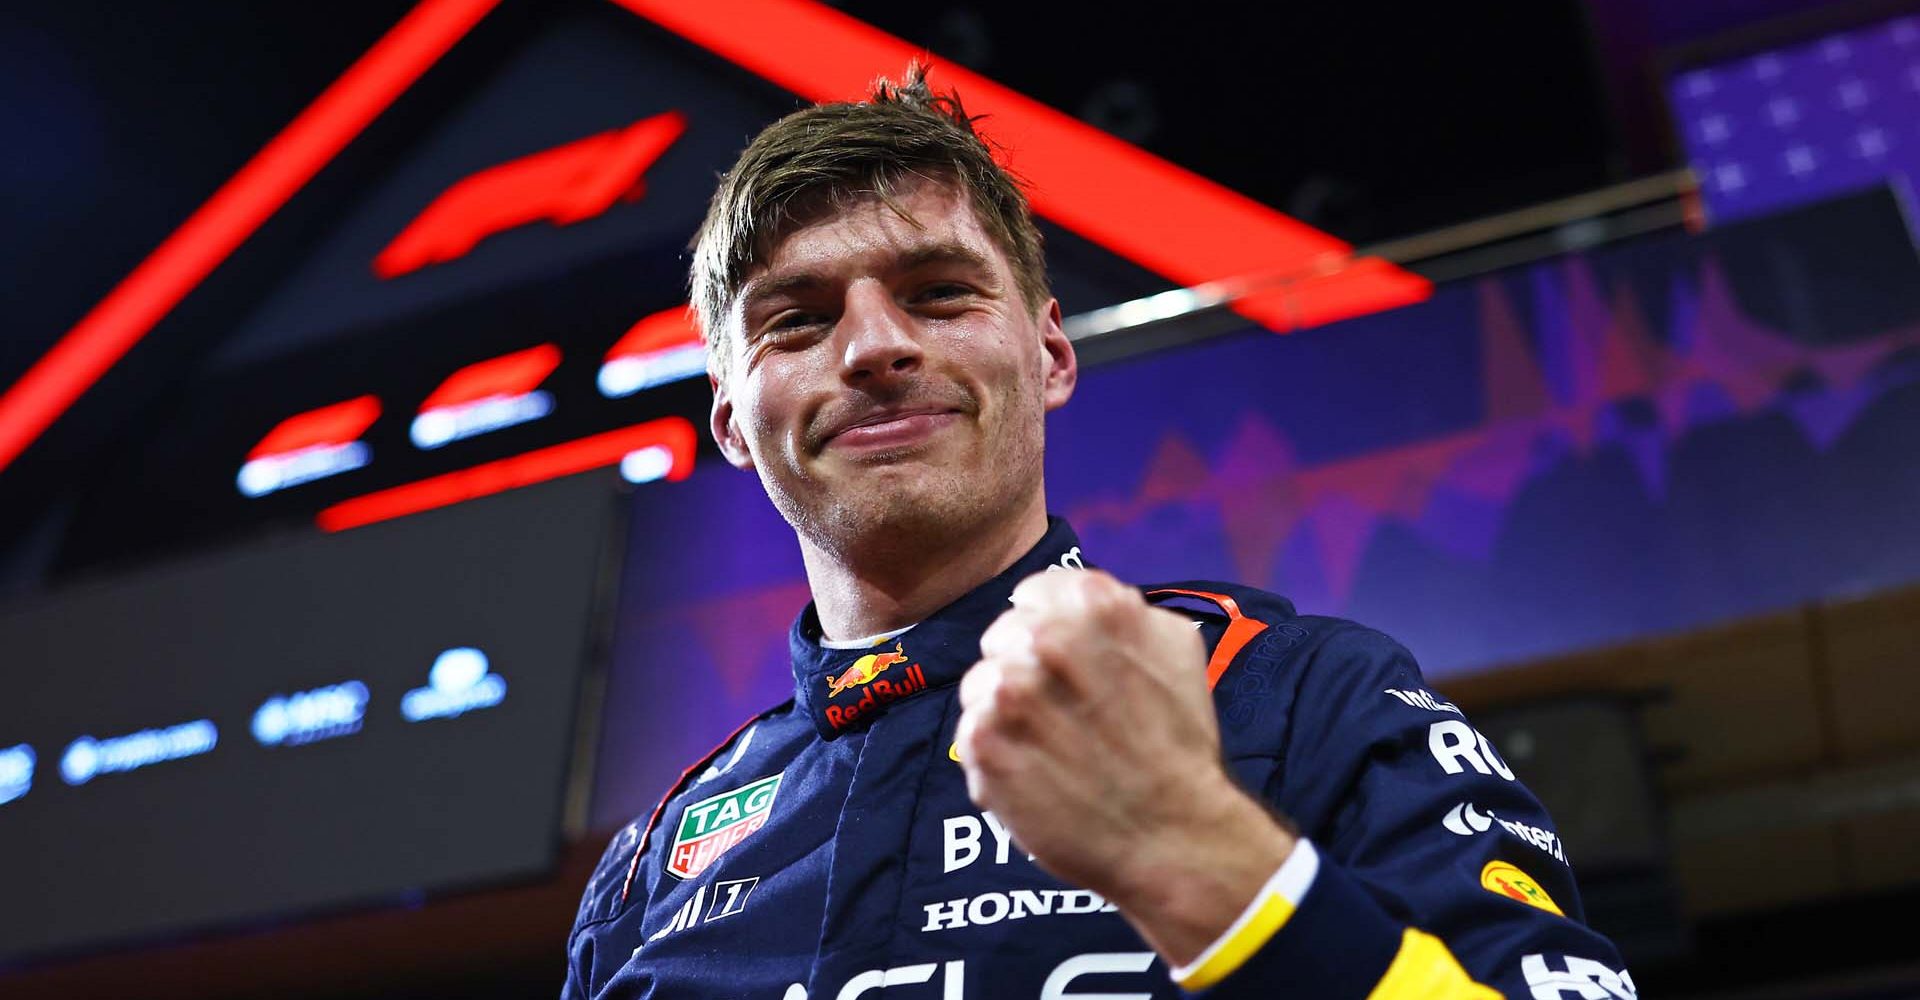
{"type": "Point", "coordinates": [786, 284]}
{"type": "Point", "coordinates": [925, 255]}
{"type": "Point", "coordinates": [945, 253]}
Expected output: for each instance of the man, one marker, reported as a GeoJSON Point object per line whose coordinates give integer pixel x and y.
{"type": "Point", "coordinates": [999, 781]}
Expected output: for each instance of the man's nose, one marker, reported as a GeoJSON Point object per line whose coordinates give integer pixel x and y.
{"type": "Point", "coordinates": [880, 339]}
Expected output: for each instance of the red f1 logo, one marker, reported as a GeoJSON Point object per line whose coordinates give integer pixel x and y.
{"type": "Point", "coordinates": [309, 446]}
{"type": "Point", "coordinates": [562, 185]}
{"type": "Point", "coordinates": [487, 396]}
{"type": "Point", "coordinates": [662, 347]}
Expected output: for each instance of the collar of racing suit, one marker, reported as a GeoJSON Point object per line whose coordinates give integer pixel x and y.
{"type": "Point", "coordinates": [846, 689]}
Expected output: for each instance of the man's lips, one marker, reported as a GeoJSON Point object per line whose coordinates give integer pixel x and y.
{"type": "Point", "coordinates": [892, 429]}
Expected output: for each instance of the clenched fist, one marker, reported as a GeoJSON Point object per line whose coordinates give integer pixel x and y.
{"type": "Point", "coordinates": [1088, 729]}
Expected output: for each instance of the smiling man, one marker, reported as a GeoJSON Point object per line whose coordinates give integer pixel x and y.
{"type": "Point", "coordinates": [1003, 773]}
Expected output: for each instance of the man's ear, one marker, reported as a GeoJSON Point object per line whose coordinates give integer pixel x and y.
{"type": "Point", "coordinates": [725, 432]}
{"type": "Point", "coordinates": [1062, 366]}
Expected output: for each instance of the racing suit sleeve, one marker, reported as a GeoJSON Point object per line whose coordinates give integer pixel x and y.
{"type": "Point", "coordinates": [1425, 868]}
{"type": "Point", "coordinates": [598, 902]}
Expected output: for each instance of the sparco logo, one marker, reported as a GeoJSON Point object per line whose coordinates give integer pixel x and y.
{"type": "Point", "coordinates": [1467, 821]}
{"type": "Point", "coordinates": [952, 979]}
{"type": "Point", "coordinates": [711, 827]}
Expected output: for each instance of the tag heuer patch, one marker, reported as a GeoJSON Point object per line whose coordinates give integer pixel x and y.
{"type": "Point", "coordinates": [712, 826]}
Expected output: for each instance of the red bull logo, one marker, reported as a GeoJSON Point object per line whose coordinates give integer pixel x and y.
{"type": "Point", "coordinates": [874, 689]}
{"type": "Point", "coordinates": [864, 670]}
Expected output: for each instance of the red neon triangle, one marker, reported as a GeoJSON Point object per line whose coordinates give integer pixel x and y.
{"type": "Point", "coordinates": [1146, 209]}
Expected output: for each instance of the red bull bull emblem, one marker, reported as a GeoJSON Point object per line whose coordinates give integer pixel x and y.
{"type": "Point", "coordinates": [865, 669]}
{"type": "Point", "coordinates": [713, 826]}
{"type": "Point", "coordinates": [864, 674]}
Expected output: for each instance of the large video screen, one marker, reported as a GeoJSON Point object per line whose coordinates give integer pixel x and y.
{"type": "Point", "coordinates": [324, 722]}
{"type": "Point", "coordinates": [1791, 124]}
{"type": "Point", "coordinates": [1652, 436]}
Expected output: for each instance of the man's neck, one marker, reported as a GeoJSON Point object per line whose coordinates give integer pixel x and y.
{"type": "Point", "coordinates": [886, 584]}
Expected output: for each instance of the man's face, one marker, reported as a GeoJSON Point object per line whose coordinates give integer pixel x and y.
{"type": "Point", "coordinates": [890, 377]}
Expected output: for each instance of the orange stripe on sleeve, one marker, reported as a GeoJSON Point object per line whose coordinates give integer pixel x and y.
{"type": "Point", "coordinates": [1240, 630]}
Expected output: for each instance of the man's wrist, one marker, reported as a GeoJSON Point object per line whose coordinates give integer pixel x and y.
{"type": "Point", "coordinates": [1272, 907]}
{"type": "Point", "coordinates": [1186, 888]}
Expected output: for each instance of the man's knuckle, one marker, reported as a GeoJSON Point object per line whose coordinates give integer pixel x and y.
{"type": "Point", "coordinates": [987, 756]}
{"type": "Point", "coordinates": [1014, 699]}
{"type": "Point", "coordinates": [975, 684]}
{"type": "Point", "coordinates": [1009, 635]}
{"type": "Point", "coordinates": [1053, 648]}
{"type": "Point", "coordinates": [1112, 604]}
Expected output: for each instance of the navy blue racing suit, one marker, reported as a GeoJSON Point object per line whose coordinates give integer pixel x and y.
{"type": "Point", "coordinates": [828, 850]}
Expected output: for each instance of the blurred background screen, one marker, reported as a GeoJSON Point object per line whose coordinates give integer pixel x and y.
{"type": "Point", "coordinates": [1786, 121]}
{"type": "Point", "coordinates": [297, 727]}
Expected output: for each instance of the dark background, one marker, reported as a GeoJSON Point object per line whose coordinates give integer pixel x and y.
{"type": "Point", "coordinates": [1370, 120]}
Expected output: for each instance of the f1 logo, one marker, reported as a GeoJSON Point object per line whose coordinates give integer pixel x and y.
{"type": "Point", "coordinates": [562, 185]}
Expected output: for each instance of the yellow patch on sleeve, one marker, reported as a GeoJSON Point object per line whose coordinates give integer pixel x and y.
{"type": "Point", "coordinates": [1503, 879]}
{"type": "Point", "coordinates": [1425, 970]}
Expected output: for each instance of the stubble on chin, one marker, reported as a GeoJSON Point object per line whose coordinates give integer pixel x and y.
{"type": "Point", "coordinates": [889, 520]}
{"type": "Point", "coordinates": [950, 499]}
{"type": "Point", "coordinates": [945, 505]}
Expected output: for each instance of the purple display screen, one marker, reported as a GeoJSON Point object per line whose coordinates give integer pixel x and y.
{"type": "Point", "coordinates": [1801, 122]}
{"type": "Point", "coordinates": [1648, 437]}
